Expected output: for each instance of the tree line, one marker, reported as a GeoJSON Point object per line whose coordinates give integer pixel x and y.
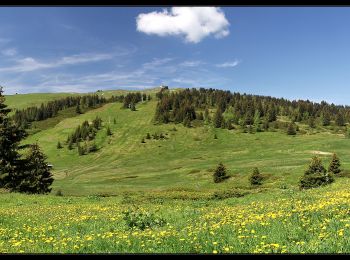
{"type": "Point", "coordinates": [24, 117]}
{"type": "Point", "coordinates": [245, 110]}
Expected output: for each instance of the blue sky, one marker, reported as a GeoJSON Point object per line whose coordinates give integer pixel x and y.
{"type": "Point", "coordinates": [291, 52]}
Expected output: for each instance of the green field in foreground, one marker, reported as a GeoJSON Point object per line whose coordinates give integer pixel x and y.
{"type": "Point", "coordinates": [283, 221]}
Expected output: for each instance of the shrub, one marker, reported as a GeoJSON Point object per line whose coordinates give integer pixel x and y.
{"type": "Point", "coordinates": [136, 218]}
{"type": "Point", "coordinates": [59, 193]}
{"type": "Point", "coordinates": [220, 173]}
{"type": "Point", "coordinates": [255, 178]}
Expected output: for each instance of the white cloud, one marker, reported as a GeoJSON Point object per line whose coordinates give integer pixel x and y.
{"type": "Point", "coordinates": [9, 52]}
{"type": "Point", "coordinates": [228, 64]}
{"type": "Point", "coordinates": [31, 64]}
{"type": "Point", "coordinates": [195, 23]}
{"type": "Point", "coordinates": [191, 63]}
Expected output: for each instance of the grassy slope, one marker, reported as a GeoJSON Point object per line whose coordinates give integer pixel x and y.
{"type": "Point", "coordinates": [184, 161]}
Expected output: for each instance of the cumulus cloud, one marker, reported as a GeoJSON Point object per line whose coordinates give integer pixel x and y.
{"type": "Point", "coordinates": [228, 64]}
{"type": "Point", "coordinates": [194, 23]}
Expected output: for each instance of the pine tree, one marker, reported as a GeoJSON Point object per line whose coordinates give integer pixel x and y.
{"type": "Point", "coordinates": [220, 173]}
{"type": "Point", "coordinates": [291, 130]}
{"type": "Point", "coordinates": [312, 122]}
{"type": "Point", "coordinates": [316, 175]}
{"type": "Point", "coordinates": [218, 118]}
{"type": "Point", "coordinates": [10, 138]}
{"type": "Point", "coordinates": [339, 119]}
{"type": "Point", "coordinates": [255, 178]}
{"type": "Point", "coordinates": [325, 119]}
{"type": "Point", "coordinates": [59, 146]}
{"type": "Point", "coordinates": [334, 166]}
{"type": "Point", "coordinates": [109, 132]}
{"type": "Point", "coordinates": [70, 144]}
{"type": "Point", "coordinates": [37, 176]}
{"type": "Point", "coordinates": [77, 109]}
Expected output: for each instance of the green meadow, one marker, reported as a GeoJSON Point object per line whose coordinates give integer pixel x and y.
{"type": "Point", "coordinates": [168, 183]}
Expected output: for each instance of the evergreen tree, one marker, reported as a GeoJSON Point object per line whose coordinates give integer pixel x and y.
{"type": "Point", "coordinates": [77, 109]}
{"type": "Point", "coordinates": [334, 166]}
{"type": "Point", "coordinates": [316, 175]}
{"type": "Point", "coordinates": [339, 119]}
{"type": "Point", "coordinates": [291, 130]}
{"type": "Point", "coordinates": [312, 122]}
{"type": "Point", "coordinates": [10, 137]}
{"type": "Point", "coordinates": [325, 119]}
{"type": "Point", "coordinates": [148, 136]}
{"type": "Point", "coordinates": [218, 118]}
{"type": "Point", "coordinates": [255, 178]}
{"type": "Point", "coordinates": [70, 144]}
{"type": "Point", "coordinates": [109, 132]}
{"type": "Point", "coordinates": [37, 176]}
{"type": "Point", "coordinates": [220, 173]}
{"type": "Point", "coordinates": [59, 146]}
{"type": "Point", "coordinates": [114, 121]}
{"type": "Point", "coordinates": [132, 107]}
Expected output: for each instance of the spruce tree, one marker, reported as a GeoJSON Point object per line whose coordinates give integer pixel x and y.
{"type": "Point", "coordinates": [325, 119]}
{"type": "Point", "coordinates": [10, 138]}
{"type": "Point", "coordinates": [59, 146]}
{"type": "Point", "coordinates": [109, 132]}
{"type": "Point", "coordinates": [339, 119]}
{"type": "Point", "coordinates": [334, 166]}
{"type": "Point", "coordinates": [220, 173]}
{"type": "Point", "coordinates": [77, 109]}
{"type": "Point", "coordinates": [291, 130]}
{"type": "Point", "coordinates": [37, 176]}
{"type": "Point", "coordinates": [312, 122]}
{"type": "Point", "coordinates": [218, 118]}
{"type": "Point", "coordinates": [255, 178]}
{"type": "Point", "coordinates": [316, 175]}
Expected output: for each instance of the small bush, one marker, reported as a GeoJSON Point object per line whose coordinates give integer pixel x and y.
{"type": "Point", "coordinates": [220, 173]}
{"type": "Point", "coordinates": [59, 193]}
{"type": "Point", "coordinates": [256, 178]}
{"type": "Point", "coordinates": [136, 218]}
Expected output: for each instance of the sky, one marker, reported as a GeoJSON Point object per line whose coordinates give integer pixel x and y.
{"type": "Point", "coordinates": [289, 52]}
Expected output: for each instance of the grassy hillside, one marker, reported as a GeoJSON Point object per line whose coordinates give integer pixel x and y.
{"type": "Point", "coordinates": [184, 161]}
{"type": "Point", "coordinates": [112, 195]}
